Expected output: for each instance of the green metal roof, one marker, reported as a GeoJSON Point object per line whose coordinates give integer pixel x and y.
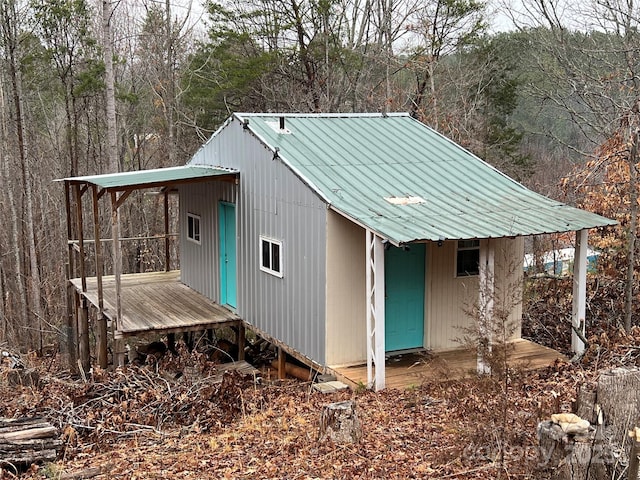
{"type": "Point", "coordinates": [152, 178]}
{"type": "Point", "coordinates": [403, 180]}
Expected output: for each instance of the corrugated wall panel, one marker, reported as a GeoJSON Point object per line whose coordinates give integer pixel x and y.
{"type": "Point", "coordinates": [273, 202]}
{"type": "Point", "coordinates": [449, 297]}
{"type": "Point", "coordinates": [199, 264]}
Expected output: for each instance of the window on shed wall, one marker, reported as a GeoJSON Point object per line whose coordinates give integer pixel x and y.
{"type": "Point", "coordinates": [468, 258]}
{"type": "Point", "coordinates": [193, 227]}
{"type": "Point", "coordinates": [271, 256]}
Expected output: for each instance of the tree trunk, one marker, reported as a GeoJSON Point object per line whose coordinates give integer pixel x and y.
{"type": "Point", "coordinates": [631, 241]}
{"type": "Point", "coordinates": [10, 37]}
{"type": "Point", "coordinates": [613, 406]}
{"type": "Point", "coordinates": [110, 99]}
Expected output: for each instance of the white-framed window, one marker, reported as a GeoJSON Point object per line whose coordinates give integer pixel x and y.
{"type": "Point", "coordinates": [271, 256]}
{"type": "Point", "coordinates": [468, 258]}
{"type": "Point", "coordinates": [193, 227]}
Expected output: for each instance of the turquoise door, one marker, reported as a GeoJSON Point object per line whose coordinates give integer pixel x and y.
{"type": "Point", "coordinates": [404, 299]}
{"type": "Point", "coordinates": [227, 220]}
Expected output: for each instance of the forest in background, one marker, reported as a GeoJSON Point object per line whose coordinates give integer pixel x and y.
{"type": "Point", "coordinates": [91, 87]}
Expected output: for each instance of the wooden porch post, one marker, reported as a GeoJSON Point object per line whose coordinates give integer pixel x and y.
{"type": "Point", "coordinates": [70, 338]}
{"type": "Point", "coordinates": [486, 303]}
{"type": "Point", "coordinates": [167, 253]}
{"type": "Point", "coordinates": [101, 334]}
{"type": "Point", "coordinates": [375, 289]}
{"type": "Point", "coordinates": [83, 309]}
{"type": "Point", "coordinates": [118, 345]}
{"type": "Point", "coordinates": [579, 291]}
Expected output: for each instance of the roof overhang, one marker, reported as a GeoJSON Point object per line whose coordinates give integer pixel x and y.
{"type": "Point", "coordinates": [154, 178]}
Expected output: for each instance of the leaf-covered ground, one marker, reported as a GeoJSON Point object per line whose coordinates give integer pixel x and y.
{"type": "Point", "coordinates": [145, 423]}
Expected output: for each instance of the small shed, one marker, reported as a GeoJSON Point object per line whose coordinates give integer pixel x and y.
{"type": "Point", "coordinates": [344, 238]}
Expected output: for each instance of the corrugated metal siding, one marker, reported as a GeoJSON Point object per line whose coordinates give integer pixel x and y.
{"type": "Point", "coordinates": [273, 202]}
{"type": "Point", "coordinates": [355, 161]}
{"type": "Point", "coordinates": [448, 297]}
{"type": "Point", "coordinates": [200, 263]}
{"type": "Point", "coordinates": [346, 292]}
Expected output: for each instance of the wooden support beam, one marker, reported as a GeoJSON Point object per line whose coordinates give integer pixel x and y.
{"type": "Point", "coordinates": [375, 308]}
{"type": "Point", "coordinates": [98, 249]}
{"type": "Point", "coordinates": [171, 342]}
{"type": "Point", "coordinates": [69, 330]}
{"type": "Point", "coordinates": [486, 299]}
{"type": "Point", "coordinates": [167, 252]}
{"type": "Point", "coordinates": [101, 321]}
{"type": "Point", "coordinates": [119, 350]}
{"type": "Point", "coordinates": [117, 258]}
{"type": "Point", "coordinates": [241, 341]}
{"type": "Point", "coordinates": [579, 291]}
{"type": "Point", "coordinates": [123, 196]}
{"type": "Point", "coordinates": [282, 364]}
{"type": "Point", "coordinates": [79, 222]}
{"type": "Point", "coordinates": [102, 341]}
{"type": "Point", "coordinates": [83, 333]}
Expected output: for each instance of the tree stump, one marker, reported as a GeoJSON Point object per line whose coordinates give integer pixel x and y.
{"type": "Point", "coordinates": [613, 407]}
{"type": "Point", "coordinates": [339, 423]}
{"type": "Point", "coordinates": [568, 455]}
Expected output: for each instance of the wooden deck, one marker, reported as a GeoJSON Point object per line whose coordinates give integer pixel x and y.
{"type": "Point", "coordinates": [403, 371]}
{"type": "Point", "coordinates": [157, 302]}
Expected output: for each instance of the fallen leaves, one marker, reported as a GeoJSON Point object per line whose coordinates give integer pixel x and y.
{"type": "Point", "coordinates": [143, 424]}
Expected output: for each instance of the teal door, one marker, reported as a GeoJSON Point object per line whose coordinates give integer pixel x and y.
{"type": "Point", "coordinates": [227, 220]}
{"type": "Point", "coordinates": [404, 299]}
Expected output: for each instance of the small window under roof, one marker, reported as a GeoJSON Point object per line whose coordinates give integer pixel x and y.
{"type": "Point", "coordinates": [411, 200]}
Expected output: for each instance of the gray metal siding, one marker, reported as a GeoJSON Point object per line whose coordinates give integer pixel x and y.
{"type": "Point", "coordinates": [273, 202]}
{"type": "Point", "coordinates": [199, 264]}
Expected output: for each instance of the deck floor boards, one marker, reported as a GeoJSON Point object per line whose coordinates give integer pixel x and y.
{"type": "Point", "coordinates": [157, 301]}
{"type": "Point", "coordinates": [412, 369]}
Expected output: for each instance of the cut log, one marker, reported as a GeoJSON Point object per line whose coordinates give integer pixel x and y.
{"type": "Point", "coordinates": [29, 433]}
{"type": "Point", "coordinates": [295, 371]}
{"type": "Point", "coordinates": [24, 441]}
{"type": "Point", "coordinates": [339, 423]}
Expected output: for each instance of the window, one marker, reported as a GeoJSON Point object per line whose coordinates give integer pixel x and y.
{"type": "Point", "coordinates": [193, 227]}
{"type": "Point", "coordinates": [468, 258]}
{"type": "Point", "coordinates": [271, 256]}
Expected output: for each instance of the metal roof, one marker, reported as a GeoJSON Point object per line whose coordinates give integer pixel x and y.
{"type": "Point", "coordinates": [154, 177]}
{"type": "Point", "coordinates": [403, 180]}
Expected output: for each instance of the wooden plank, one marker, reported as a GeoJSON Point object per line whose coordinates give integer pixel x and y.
{"type": "Point", "coordinates": [413, 369]}
{"type": "Point", "coordinates": [158, 301]}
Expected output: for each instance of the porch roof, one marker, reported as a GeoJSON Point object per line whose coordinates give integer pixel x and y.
{"type": "Point", "coordinates": [158, 177]}
{"type": "Point", "coordinates": [401, 179]}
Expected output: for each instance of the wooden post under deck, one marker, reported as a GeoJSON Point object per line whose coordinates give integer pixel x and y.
{"type": "Point", "coordinates": [241, 340]}
{"type": "Point", "coordinates": [83, 332]}
{"type": "Point", "coordinates": [282, 363]}
{"type": "Point", "coordinates": [118, 344]}
{"type": "Point", "coordinates": [70, 327]}
{"type": "Point", "coordinates": [101, 320]}
{"type": "Point", "coordinates": [83, 309]}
